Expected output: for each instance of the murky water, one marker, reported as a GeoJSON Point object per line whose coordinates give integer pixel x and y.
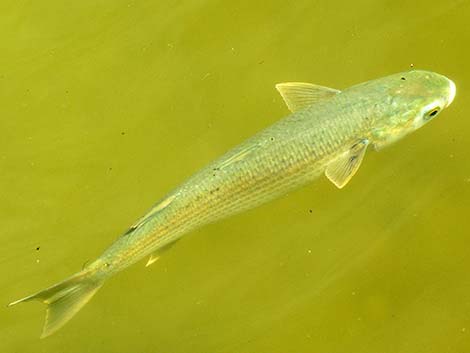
{"type": "Point", "coordinates": [107, 105]}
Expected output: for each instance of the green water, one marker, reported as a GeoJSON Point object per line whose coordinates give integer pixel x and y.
{"type": "Point", "coordinates": [106, 105]}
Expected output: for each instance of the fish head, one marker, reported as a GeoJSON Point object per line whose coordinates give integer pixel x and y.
{"type": "Point", "coordinates": [412, 99]}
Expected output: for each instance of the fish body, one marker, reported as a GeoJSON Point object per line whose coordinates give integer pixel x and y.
{"type": "Point", "coordinates": [286, 155]}
{"type": "Point", "coordinates": [328, 132]}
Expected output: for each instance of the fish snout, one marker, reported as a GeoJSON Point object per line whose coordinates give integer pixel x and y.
{"type": "Point", "coordinates": [451, 93]}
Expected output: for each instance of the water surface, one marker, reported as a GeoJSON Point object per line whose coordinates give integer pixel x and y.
{"type": "Point", "coordinates": [107, 105]}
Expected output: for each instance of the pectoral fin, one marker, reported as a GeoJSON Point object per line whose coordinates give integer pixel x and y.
{"type": "Point", "coordinates": [158, 253]}
{"type": "Point", "coordinates": [299, 95]}
{"type": "Point", "coordinates": [342, 169]}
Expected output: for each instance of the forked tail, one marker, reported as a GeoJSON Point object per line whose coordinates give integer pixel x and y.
{"type": "Point", "coordinates": [64, 299]}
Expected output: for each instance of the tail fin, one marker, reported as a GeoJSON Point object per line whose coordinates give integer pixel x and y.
{"type": "Point", "coordinates": [64, 300]}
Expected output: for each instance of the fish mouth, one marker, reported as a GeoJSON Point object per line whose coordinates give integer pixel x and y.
{"type": "Point", "coordinates": [452, 92]}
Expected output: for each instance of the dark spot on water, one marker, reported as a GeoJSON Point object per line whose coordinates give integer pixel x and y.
{"type": "Point", "coordinates": [272, 138]}
{"type": "Point", "coordinates": [38, 248]}
{"type": "Point", "coordinates": [217, 189]}
{"type": "Point", "coordinates": [310, 211]}
{"type": "Point", "coordinates": [123, 133]}
{"type": "Point", "coordinates": [403, 78]}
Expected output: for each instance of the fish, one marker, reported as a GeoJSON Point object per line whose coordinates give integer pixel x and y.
{"type": "Point", "coordinates": [327, 132]}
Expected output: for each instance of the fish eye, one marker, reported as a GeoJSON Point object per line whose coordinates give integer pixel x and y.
{"type": "Point", "coordinates": [431, 113]}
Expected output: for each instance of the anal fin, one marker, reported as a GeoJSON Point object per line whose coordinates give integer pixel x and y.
{"type": "Point", "coordinates": [152, 259]}
{"type": "Point", "coordinates": [158, 253]}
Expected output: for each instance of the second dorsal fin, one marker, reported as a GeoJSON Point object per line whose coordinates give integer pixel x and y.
{"type": "Point", "coordinates": [299, 95]}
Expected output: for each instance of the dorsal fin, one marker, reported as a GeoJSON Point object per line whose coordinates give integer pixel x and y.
{"type": "Point", "coordinates": [157, 208]}
{"type": "Point", "coordinates": [299, 95]}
